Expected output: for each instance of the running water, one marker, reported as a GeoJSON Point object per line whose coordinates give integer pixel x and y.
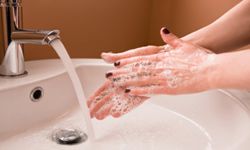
{"type": "Point", "coordinates": [62, 53]}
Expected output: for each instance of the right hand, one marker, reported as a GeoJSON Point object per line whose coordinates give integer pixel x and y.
{"type": "Point", "coordinates": [185, 69]}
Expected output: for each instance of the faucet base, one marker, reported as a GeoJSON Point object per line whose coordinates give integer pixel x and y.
{"type": "Point", "coordinates": [14, 76]}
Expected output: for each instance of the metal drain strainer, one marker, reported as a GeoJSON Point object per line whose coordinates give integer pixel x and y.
{"type": "Point", "coordinates": [69, 136]}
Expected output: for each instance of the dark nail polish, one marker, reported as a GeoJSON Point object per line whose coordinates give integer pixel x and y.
{"type": "Point", "coordinates": [117, 63]}
{"type": "Point", "coordinates": [165, 31]}
{"type": "Point", "coordinates": [127, 90]}
{"type": "Point", "coordinates": [109, 74]}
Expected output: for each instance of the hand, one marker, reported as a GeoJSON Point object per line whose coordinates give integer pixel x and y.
{"type": "Point", "coordinates": [182, 69]}
{"type": "Point", "coordinates": [141, 51]}
{"type": "Point", "coordinates": [178, 67]}
{"type": "Point", "coordinates": [110, 100]}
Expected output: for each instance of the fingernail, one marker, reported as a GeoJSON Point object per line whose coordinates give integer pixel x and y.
{"type": "Point", "coordinates": [117, 63]}
{"type": "Point", "coordinates": [109, 74]}
{"type": "Point", "coordinates": [127, 90]}
{"type": "Point", "coordinates": [165, 31]}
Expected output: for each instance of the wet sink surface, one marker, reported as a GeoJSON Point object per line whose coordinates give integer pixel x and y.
{"type": "Point", "coordinates": [205, 121]}
{"type": "Point", "coordinates": [148, 127]}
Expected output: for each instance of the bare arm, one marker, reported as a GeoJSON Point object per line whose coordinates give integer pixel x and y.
{"type": "Point", "coordinates": [231, 70]}
{"type": "Point", "coordinates": [230, 31]}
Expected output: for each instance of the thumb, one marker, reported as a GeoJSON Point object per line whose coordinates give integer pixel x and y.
{"type": "Point", "coordinates": [170, 38]}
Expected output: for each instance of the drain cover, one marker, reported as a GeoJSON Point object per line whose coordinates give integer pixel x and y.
{"type": "Point", "coordinates": [69, 136]}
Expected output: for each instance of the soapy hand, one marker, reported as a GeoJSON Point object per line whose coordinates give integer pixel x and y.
{"type": "Point", "coordinates": [181, 68]}
{"type": "Point", "coordinates": [111, 100]}
{"type": "Point", "coordinates": [176, 68]}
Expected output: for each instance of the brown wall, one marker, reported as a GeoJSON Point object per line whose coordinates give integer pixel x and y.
{"type": "Point", "coordinates": [185, 16]}
{"type": "Point", "coordinates": [89, 27]}
{"type": "Point", "coordinates": [160, 16]}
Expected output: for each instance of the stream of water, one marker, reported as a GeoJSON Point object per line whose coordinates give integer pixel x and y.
{"type": "Point", "coordinates": [62, 53]}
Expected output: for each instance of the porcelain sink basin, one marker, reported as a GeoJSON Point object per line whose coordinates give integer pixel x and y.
{"type": "Point", "coordinates": [34, 106]}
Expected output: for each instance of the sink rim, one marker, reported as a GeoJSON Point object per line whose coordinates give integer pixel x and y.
{"type": "Point", "coordinates": [36, 74]}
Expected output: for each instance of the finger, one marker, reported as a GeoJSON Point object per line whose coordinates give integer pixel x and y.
{"type": "Point", "coordinates": [149, 90]}
{"type": "Point", "coordinates": [98, 92]}
{"type": "Point", "coordinates": [116, 114]}
{"type": "Point", "coordinates": [100, 104]}
{"type": "Point", "coordinates": [167, 48]}
{"type": "Point", "coordinates": [126, 105]}
{"type": "Point", "coordinates": [103, 112]}
{"type": "Point", "coordinates": [146, 50]}
{"type": "Point", "coordinates": [159, 80]}
{"type": "Point", "coordinates": [132, 71]}
{"type": "Point", "coordinates": [140, 77]}
{"type": "Point", "coordinates": [170, 38]}
{"type": "Point", "coordinates": [148, 59]}
{"type": "Point", "coordinates": [117, 72]}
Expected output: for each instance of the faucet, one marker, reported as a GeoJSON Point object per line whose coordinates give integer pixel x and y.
{"type": "Point", "coordinates": [13, 36]}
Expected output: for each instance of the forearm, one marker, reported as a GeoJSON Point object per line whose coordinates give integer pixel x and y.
{"type": "Point", "coordinates": [231, 70]}
{"type": "Point", "coordinates": [227, 33]}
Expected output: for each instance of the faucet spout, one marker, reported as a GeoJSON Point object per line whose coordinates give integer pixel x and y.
{"type": "Point", "coordinates": [41, 37]}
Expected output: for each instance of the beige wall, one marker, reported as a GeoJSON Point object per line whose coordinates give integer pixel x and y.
{"type": "Point", "coordinates": [89, 27]}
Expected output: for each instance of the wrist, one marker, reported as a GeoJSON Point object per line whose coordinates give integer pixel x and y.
{"type": "Point", "coordinates": [201, 38]}
{"type": "Point", "coordinates": [231, 70]}
{"type": "Point", "coordinates": [213, 71]}
{"type": "Point", "coordinates": [220, 74]}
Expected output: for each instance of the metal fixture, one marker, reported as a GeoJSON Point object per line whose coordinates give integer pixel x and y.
{"type": "Point", "coordinates": [12, 36]}
{"type": "Point", "coordinates": [69, 136]}
{"type": "Point", "coordinates": [36, 94]}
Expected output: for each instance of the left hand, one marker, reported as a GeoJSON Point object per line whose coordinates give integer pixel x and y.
{"type": "Point", "coordinates": [110, 100]}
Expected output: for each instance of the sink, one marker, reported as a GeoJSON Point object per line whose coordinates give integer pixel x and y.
{"type": "Point", "coordinates": [32, 107]}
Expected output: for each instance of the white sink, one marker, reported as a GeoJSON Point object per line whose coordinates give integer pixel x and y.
{"type": "Point", "coordinates": [212, 120]}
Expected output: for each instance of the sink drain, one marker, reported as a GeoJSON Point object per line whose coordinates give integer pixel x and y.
{"type": "Point", "coordinates": [69, 136]}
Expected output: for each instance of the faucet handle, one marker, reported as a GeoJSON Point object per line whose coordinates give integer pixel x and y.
{"type": "Point", "coordinates": [41, 37]}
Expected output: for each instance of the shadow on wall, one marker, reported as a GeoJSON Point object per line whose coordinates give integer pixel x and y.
{"type": "Point", "coordinates": [89, 27]}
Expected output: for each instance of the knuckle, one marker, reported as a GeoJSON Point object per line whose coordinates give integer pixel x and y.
{"type": "Point", "coordinates": [139, 58]}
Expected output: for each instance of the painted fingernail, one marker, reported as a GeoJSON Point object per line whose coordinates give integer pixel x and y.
{"type": "Point", "coordinates": [165, 31]}
{"type": "Point", "coordinates": [117, 63]}
{"type": "Point", "coordinates": [127, 90]}
{"type": "Point", "coordinates": [109, 74]}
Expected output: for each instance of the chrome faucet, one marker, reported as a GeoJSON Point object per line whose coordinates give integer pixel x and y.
{"type": "Point", "coordinates": [12, 36]}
